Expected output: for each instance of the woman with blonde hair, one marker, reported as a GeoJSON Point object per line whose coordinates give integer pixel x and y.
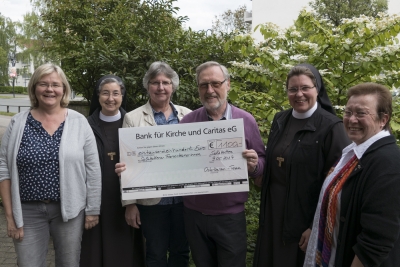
{"type": "Point", "coordinates": [50, 180]}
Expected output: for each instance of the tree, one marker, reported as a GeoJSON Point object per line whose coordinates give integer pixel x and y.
{"type": "Point", "coordinates": [7, 44]}
{"type": "Point", "coordinates": [93, 38]}
{"type": "Point", "coordinates": [336, 10]}
{"type": "Point", "coordinates": [31, 40]}
{"type": "Point", "coordinates": [230, 21]}
{"type": "Point", "coordinates": [363, 49]}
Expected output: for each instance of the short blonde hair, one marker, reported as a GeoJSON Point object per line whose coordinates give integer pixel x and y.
{"type": "Point", "coordinates": [41, 71]}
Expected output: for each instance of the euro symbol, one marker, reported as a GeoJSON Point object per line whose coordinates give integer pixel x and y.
{"type": "Point", "coordinates": [211, 145]}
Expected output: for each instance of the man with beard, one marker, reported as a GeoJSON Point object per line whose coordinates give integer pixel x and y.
{"type": "Point", "coordinates": [215, 224]}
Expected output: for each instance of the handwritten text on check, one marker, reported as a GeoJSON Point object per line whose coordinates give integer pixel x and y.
{"type": "Point", "coordinates": [183, 159]}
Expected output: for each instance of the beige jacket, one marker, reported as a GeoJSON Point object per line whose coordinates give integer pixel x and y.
{"type": "Point", "coordinates": [143, 116]}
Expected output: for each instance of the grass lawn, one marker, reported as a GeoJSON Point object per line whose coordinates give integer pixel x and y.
{"type": "Point", "coordinates": [7, 113]}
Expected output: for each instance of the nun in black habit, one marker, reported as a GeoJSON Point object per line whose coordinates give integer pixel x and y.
{"type": "Point", "coordinates": [304, 143]}
{"type": "Point", "coordinates": [112, 242]}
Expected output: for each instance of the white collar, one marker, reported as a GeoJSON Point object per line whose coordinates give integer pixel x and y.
{"type": "Point", "coordinates": [360, 149]}
{"type": "Point", "coordinates": [110, 118]}
{"type": "Point", "coordinates": [306, 114]}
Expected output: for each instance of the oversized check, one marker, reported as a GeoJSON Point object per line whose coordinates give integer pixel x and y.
{"type": "Point", "coordinates": [183, 159]}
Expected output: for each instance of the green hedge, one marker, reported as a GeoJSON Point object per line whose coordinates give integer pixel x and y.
{"type": "Point", "coordinates": [9, 90]}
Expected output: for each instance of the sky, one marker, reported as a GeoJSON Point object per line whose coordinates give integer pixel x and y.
{"type": "Point", "coordinates": [201, 13]}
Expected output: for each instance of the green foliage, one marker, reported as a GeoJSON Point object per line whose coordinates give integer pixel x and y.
{"type": "Point", "coordinates": [7, 42]}
{"type": "Point", "coordinates": [3, 113]}
{"type": "Point", "coordinates": [9, 90]}
{"type": "Point", "coordinates": [3, 66]}
{"type": "Point", "coordinates": [30, 38]}
{"type": "Point", "coordinates": [252, 212]}
{"type": "Point", "coordinates": [336, 10]}
{"type": "Point", "coordinates": [360, 50]}
{"type": "Point", "coordinates": [395, 121]}
{"type": "Point", "coordinates": [93, 38]}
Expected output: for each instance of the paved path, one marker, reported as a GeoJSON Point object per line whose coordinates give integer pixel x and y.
{"type": "Point", "coordinates": [8, 257]}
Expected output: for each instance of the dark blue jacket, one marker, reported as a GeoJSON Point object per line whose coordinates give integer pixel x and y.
{"type": "Point", "coordinates": [370, 209]}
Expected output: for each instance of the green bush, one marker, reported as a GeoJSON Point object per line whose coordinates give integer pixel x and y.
{"type": "Point", "coordinates": [9, 90]}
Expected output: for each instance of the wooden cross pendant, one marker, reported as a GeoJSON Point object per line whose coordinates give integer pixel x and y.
{"type": "Point", "coordinates": [280, 160]}
{"type": "Point", "coordinates": [111, 154]}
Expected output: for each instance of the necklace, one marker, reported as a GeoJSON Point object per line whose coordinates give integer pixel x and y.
{"type": "Point", "coordinates": [281, 159]}
{"type": "Point", "coordinates": [111, 154]}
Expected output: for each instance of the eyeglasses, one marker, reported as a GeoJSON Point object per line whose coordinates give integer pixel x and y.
{"type": "Point", "coordinates": [107, 94]}
{"type": "Point", "coordinates": [304, 89]}
{"type": "Point", "coordinates": [164, 83]}
{"type": "Point", "coordinates": [46, 85]}
{"type": "Point", "coordinates": [358, 114]}
{"type": "Point", "coordinates": [215, 85]}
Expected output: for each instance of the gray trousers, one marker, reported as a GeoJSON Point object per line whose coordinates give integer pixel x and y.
{"type": "Point", "coordinates": [42, 220]}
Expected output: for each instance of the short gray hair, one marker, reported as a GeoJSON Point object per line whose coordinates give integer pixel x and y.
{"type": "Point", "coordinates": [157, 68]}
{"type": "Point", "coordinates": [111, 80]}
{"type": "Point", "coordinates": [209, 64]}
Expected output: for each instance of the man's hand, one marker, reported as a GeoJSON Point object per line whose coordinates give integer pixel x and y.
{"type": "Point", "coordinates": [91, 221]}
{"type": "Point", "coordinates": [132, 216]}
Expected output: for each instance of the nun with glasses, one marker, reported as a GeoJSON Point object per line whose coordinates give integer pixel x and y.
{"type": "Point", "coordinates": [304, 143]}
{"type": "Point", "coordinates": [113, 242]}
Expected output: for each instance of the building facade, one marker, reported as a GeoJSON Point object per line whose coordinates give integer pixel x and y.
{"type": "Point", "coordinates": [20, 68]}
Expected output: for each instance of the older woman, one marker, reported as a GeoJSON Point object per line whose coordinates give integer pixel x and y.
{"type": "Point", "coordinates": [304, 142]}
{"type": "Point", "coordinates": [161, 219]}
{"type": "Point", "coordinates": [112, 242]}
{"type": "Point", "coordinates": [49, 173]}
{"type": "Point", "coordinates": [357, 221]}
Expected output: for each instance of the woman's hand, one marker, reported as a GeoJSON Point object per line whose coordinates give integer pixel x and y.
{"type": "Point", "coordinates": [356, 262]}
{"type": "Point", "coordinates": [132, 216]}
{"type": "Point", "coordinates": [119, 167]}
{"type": "Point", "coordinates": [252, 159]}
{"type": "Point", "coordinates": [304, 239]}
{"type": "Point", "coordinates": [91, 221]}
{"type": "Point", "coordinates": [5, 194]}
{"type": "Point", "coordinates": [13, 231]}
